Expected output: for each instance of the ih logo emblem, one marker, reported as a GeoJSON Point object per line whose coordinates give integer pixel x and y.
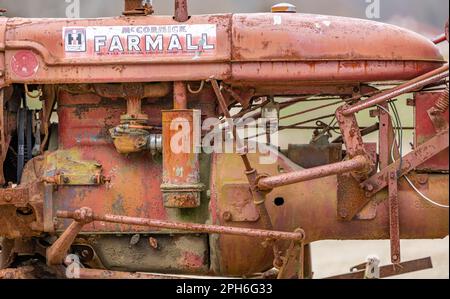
{"type": "Point", "coordinates": [75, 40]}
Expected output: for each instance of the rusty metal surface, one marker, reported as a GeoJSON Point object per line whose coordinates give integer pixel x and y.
{"type": "Point", "coordinates": [386, 137]}
{"type": "Point", "coordinates": [312, 155]}
{"type": "Point", "coordinates": [57, 252]}
{"type": "Point", "coordinates": [433, 76]}
{"type": "Point", "coordinates": [300, 37]}
{"type": "Point", "coordinates": [350, 132]}
{"type": "Point", "coordinates": [177, 253]}
{"type": "Point", "coordinates": [180, 96]}
{"type": "Point", "coordinates": [235, 255]}
{"type": "Point", "coordinates": [189, 227]}
{"type": "Point", "coordinates": [19, 273]}
{"type": "Point", "coordinates": [392, 270]}
{"type": "Point", "coordinates": [22, 211]}
{"type": "Point", "coordinates": [409, 162]}
{"type": "Point", "coordinates": [84, 120]}
{"type": "Point", "coordinates": [136, 7]}
{"type": "Point", "coordinates": [3, 22]}
{"type": "Point", "coordinates": [239, 203]}
{"type": "Point", "coordinates": [135, 193]}
{"type": "Point", "coordinates": [181, 11]}
{"type": "Point", "coordinates": [394, 214]}
{"type": "Point", "coordinates": [181, 184]}
{"type": "Point", "coordinates": [349, 206]}
{"type": "Point", "coordinates": [306, 57]}
{"type": "Point", "coordinates": [49, 51]}
{"type": "Point", "coordinates": [4, 140]}
{"type": "Point", "coordinates": [424, 129]}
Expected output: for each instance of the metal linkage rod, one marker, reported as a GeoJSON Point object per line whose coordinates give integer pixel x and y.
{"type": "Point", "coordinates": [355, 164]}
{"type": "Point", "coordinates": [190, 227]}
{"type": "Point", "coordinates": [413, 85]}
{"type": "Point", "coordinates": [310, 110]}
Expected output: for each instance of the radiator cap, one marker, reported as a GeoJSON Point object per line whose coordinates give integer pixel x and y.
{"type": "Point", "coordinates": [284, 7]}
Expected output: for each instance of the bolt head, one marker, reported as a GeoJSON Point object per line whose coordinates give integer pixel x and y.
{"type": "Point", "coordinates": [227, 216]}
{"type": "Point", "coordinates": [343, 213]}
{"type": "Point", "coordinates": [7, 197]}
{"type": "Point", "coordinates": [422, 179]}
{"type": "Point", "coordinates": [369, 188]}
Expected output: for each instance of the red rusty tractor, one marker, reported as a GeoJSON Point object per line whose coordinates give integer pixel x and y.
{"type": "Point", "coordinates": [93, 174]}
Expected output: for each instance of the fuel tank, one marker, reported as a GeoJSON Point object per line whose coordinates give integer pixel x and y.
{"type": "Point", "coordinates": [247, 49]}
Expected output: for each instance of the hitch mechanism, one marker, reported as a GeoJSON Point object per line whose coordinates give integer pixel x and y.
{"type": "Point", "coordinates": [370, 269]}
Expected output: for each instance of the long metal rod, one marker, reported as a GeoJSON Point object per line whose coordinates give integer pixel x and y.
{"type": "Point", "coordinates": [355, 164]}
{"type": "Point", "coordinates": [190, 227]}
{"type": "Point", "coordinates": [310, 110]}
{"type": "Point", "coordinates": [180, 96]}
{"type": "Point", "coordinates": [410, 86]}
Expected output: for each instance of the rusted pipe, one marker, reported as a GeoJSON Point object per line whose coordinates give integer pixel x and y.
{"type": "Point", "coordinates": [439, 39]}
{"type": "Point", "coordinates": [355, 164]}
{"type": "Point", "coordinates": [179, 96]}
{"type": "Point", "coordinates": [181, 11]}
{"type": "Point", "coordinates": [410, 86]}
{"type": "Point", "coordinates": [190, 227]}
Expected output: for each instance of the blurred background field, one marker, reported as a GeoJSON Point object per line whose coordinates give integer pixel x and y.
{"type": "Point", "coordinates": [425, 17]}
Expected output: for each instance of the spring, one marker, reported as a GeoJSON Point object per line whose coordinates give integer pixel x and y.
{"type": "Point", "coordinates": [442, 102]}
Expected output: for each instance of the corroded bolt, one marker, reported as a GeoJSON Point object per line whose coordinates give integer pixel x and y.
{"type": "Point", "coordinates": [7, 197]}
{"type": "Point", "coordinates": [227, 216]}
{"type": "Point", "coordinates": [153, 243]}
{"type": "Point", "coordinates": [343, 213]}
{"type": "Point", "coordinates": [422, 179]}
{"type": "Point", "coordinates": [369, 188]}
{"type": "Point", "coordinates": [66, 180]}
{"type": "Point", "coordinates": [85, 253]}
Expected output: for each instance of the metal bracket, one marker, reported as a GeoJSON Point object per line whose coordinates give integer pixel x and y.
{"type": "Point", "coordinates": [14, 196]}
{"type": "Point", "coordinates": [294, 262]}
{"type": "Point", "coordinates": [391, 270]}
{"type": "Point", "coordinates": [438, 120]}
{"type": "Point", "coordinates": [64, 170]}
{"type": "Point", "coordinates": [353, 140]}
{"type": "Point", "coordinates": [410, 161]}
{"type": "Point", "coordinates": [394, 223]}
{"type": "Point", "coordinates": [348, 209]}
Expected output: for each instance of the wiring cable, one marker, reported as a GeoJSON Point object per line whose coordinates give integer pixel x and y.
{"type": "Point", "coordinates": [395, 117]}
